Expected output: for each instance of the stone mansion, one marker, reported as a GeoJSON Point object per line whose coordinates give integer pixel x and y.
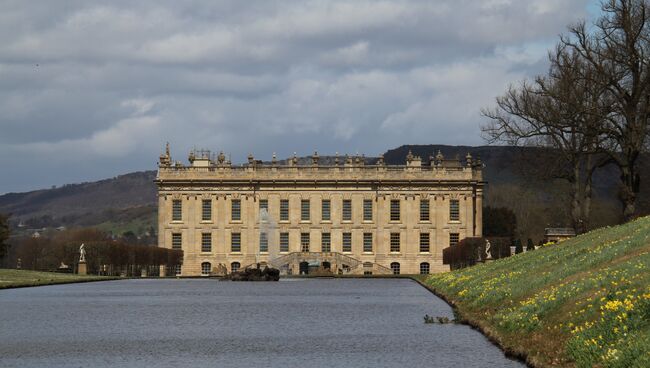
{"type": "Point", "coordinates": [340, 215]}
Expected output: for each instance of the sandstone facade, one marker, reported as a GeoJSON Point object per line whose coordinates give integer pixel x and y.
{"type": "Point", "coordinates": [346, 216]}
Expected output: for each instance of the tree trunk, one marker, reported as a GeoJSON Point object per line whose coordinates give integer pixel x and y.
{"type": "Point", "coordinates": [586, 209]}
{"type": "Point", "coordinates": [576, 203]}
{"type": "Point", "coordinates": [627, 195]}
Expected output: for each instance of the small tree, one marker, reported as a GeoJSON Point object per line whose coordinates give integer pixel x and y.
{"type": "Point", "coordinates": [518, 247]}
{"type": "Point", "coordinates": [530, 245]}
{"type": "Point", "coordinates": [4, 235]}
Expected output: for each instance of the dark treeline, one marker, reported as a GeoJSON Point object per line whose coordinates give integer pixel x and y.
{"type": "Point", "coordinates": [499, 229]}
{"type": "Point", "coordinates": [471, 251]}
{"type": "Point", "coordinates": [104, 255]}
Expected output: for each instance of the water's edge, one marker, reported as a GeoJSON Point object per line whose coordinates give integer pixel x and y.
{"type": "Point", "coordinates": [477, 325]}
{"type": "Point", "coordinates": [62, 282]}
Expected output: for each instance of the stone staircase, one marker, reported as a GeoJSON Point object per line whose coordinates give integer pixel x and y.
{"type": "Point", "coordinates": [348, 264]}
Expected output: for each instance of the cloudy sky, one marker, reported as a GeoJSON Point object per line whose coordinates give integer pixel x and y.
{"type": "Point", "coordinates": [90, 90]}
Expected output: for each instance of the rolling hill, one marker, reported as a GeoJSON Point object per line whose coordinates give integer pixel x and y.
{"type": "Point", "coordinates": [583, 302]}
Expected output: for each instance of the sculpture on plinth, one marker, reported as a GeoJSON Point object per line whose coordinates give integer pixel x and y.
{"type": "Point", "coordinates": [82, 260]}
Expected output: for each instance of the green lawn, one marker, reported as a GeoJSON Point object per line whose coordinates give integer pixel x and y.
{"type": "Point", "coordinates": [20, 278]}
{"type": "Point", "coordinates": [584, 302]}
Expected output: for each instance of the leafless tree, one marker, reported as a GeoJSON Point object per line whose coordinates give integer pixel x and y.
{"type": "Point", "coordinates": [563, 111]}
{"type": "Point", "coordinates": [617, 48]}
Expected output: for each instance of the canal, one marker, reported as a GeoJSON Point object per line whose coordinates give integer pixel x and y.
{"type": "Point", "coordinates": [210, 323]}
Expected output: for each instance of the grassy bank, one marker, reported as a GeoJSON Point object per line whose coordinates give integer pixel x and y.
{"type": "Point", "coordinates": [584, 302]}
{"type": "Point", "coordinates": [22, 278]}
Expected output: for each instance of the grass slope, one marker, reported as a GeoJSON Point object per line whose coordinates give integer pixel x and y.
{"type": "Point", "coordinates": [21, 278]}
{"type": "Point", "coordinates": [584, 302]}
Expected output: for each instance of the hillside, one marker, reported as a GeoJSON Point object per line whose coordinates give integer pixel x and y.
{"type": "Point", "coordinates": [128, 202]}
{"type": "Point", "coordinates": [584, 302]}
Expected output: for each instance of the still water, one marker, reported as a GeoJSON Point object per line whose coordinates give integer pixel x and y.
{"type": "Point", "coordinates": [209, 323]}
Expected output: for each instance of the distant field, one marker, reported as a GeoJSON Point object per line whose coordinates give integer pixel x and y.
{"type": "Point", "coordinates": [21, 278]}
{"type": "Point", "coordinates": [584, 302]}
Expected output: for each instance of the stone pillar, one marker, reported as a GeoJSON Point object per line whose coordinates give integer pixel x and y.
{"type": "Point", "coordinates": [83, 270]}
{"type": "Point", "coordinates": [163, 271]}
{"type": "Point", "coordinates": [478, 222]}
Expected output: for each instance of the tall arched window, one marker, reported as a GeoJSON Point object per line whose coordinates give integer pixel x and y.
{"type": "Point", "coordinates": [395, 267]}
{"type": "Point", "coordinates": [206, 268]}
{"type": "Point", "coordinates": [234, 267]}
{"type": "Point", "coordinates": [424, 268]}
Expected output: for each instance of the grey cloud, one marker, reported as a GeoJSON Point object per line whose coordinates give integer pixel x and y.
{"type": "Point", "coordinates": [91, 89]}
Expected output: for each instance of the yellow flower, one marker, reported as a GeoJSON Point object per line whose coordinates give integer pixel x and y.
{"type": "Point", "coordinates": [612, 305]}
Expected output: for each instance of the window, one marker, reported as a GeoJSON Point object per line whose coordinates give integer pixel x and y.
{"type": "Point", "coordinates": [264, 205]}
{"type": "Point", "coordinates": [206, 267]}
{"type": "Point", "coordinates": [235, 266]}
{"type": "Point", "coordinates": [325, 210]}
{"type": "Point", "coordinates": [284, 210]}
{"type": "Point", "coordinates": [347, 210]}
{"type": "Point", "coordinates": [304, 210]}
{"type": "Point", "coordinates": [424, 210]}
{"type": "Point", "coordinates": [367, 210]}
{"type": "Point", "coordinates": [394, 242]}
{"type": "Point", "coordinates": [177, 241]}
{"type": "Point", "coordinates": [367, 242]}
{"type": "Point", "coordinates": [326, 242]}
{"type": "Point", "coordinates": [206, 242]}
{"type": "Point", "coordinates": [304, 242]}
{"type": "Point", "coordinates": [264, 210]}
{"type": "Point", "coordinates": [177, 210]}
{"type": "Point", "coordinates": [235, 242]}
{"type": "Point", "coordinates": [394, 210]}
{"type": "Point", "coordinates": [264, 242]}
{"type": "Point", "coordinates": [454, 210]}
{"type": "Point", "coordinates": [284, 242]}
{"type": "Point", "coordinates": [177, 270]}
{"type": "Point", "coordinates": [347, 242]}
{"type": "Point", "coordinates": [453, 239]}
{"type": "Point", "coordinates": [235, 210]}
{"type": "Point", "coordinates": [206, 210]}
{"type": "Point", "coordinates": [395, 268]}
{"type": "Point", "coordinates": [424, 268]}
{"type": "Point", "coordinates": [424, 243]}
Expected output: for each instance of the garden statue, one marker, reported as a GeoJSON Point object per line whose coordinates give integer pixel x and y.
{"type": "Point", "coordinates": [488, 249]}
{"type": "Point", "coordinates": [82, 253]}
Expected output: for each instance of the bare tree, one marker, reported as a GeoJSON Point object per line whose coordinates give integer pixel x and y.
{"type": "Point", "coordinates": [618, 50]}
{"type": "Point", "coordinates": [563, 111]}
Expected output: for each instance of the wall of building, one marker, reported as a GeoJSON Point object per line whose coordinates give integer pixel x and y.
{"type": "Point", "coordinates": [222, 185]}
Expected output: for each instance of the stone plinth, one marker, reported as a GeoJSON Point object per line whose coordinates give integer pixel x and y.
{"type": "Point", "coordinates": [83, 270]}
